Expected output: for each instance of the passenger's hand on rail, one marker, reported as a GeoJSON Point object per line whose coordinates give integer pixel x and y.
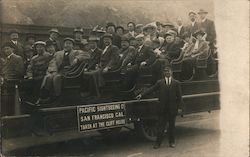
{"type": "Point", "coordinates": [138, 97]}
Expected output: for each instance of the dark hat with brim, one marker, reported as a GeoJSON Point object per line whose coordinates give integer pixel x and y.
{"type": "Point", "coordinates": [49, 43]}
{"type": "Point", "coordinates": [132, 38]}
{"type": "Point", "coordinates": [28, 36]}
{"type": "Point", "coordinates": [109, 24]}
{"type": "Point", "coordinates": [125, 38]}
{"type": "Point", "coordinates": [198, 32]}
{"type": "Point", "coordinates": [8, 44]}
{"type": "Point", "coordinates": [167, 66]}
{"type": "Point", "coordinates": [13, 31]}
{"type": "Point", "coordinates": [69, 39]}
{"type": "Point", "coordinates": [107, 35]}
{"type": "Point", "coordinates": [202, 11]}
{"type": "Point", "coordinates": [55, 30]}
{"type": "Point", "coordinates": [40, 43]}
{"type": "Point", "coordinates": [119, 27]}
{"type": "Point", "coordinates": [78, 29]}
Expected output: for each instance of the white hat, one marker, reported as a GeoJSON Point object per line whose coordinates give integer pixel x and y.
{"type": "Point", "coordinates": [139, 36]}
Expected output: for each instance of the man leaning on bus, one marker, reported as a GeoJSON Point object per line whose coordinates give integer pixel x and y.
{"type": "Point", "coordinates": [170, 97]}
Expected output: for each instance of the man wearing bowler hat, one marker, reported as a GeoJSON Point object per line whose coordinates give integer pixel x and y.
{"type": "Point", "coordinates": [54, 36]}
{"type": "Point", "coordinates": [62, 60]}
{"type": "Point", "coordinates": [126, 53]}
{"type": "Point", "coordinates": [110, 56]}
{"type": "Point", "coordinates": [16, 44]}
{"type": "Point", "coordinates": [208, 27]}
{"type": "Point", "coordinates": [170, 97]}
{"type": "Point", "coordinates": [95, 53]}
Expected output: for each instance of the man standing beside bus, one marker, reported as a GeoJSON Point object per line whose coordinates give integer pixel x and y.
{"type": "Point", "coordinates": [170, 97]}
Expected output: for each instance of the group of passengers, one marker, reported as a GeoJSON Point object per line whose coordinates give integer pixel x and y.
{"type": "Point", "coordinates": [104, 50]}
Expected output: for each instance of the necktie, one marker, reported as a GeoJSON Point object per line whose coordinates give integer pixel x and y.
{"type": "Point", "coordinates": [168, 81]}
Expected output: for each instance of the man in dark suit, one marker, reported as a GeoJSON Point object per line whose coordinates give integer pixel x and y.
{"type": "Point", "coordinates": [193, 26]}
{"type": "Point", "coordinates": [126, 53]}
{"type": "Point", "coordinates": [144, 54]}
{"type": "Point", "coordinates": [180, 28]}
{"type": "Point", "coordinates": [53, 36]}
{"type": "Point", "coordinates": [17, 45]}
{"type": "Point", "coordinates": [208, 27]}
{"type": "Point", "coordinates": [92, 75]}
{"type": "Point", "coordinates": [116, 39]}
{"type": "Point", "coordinates": [12, 66]}
{"type": "Point", "coordinates": [95, 53]}
{"type": "Point", "coordinates": [170, 97]}
{"type": "Point", "coordinates": [109, 57]}
{"type": "Point", "coordinates": [172, 47]}
{"type": "Point", "coordinates": [78, 37]}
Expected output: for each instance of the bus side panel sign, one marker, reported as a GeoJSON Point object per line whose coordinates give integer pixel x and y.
{"type": "Point", "coordinates": [97, 117]}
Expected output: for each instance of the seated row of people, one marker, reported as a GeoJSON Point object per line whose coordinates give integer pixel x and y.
{"type": "Point", "coordinates": [135, 52]}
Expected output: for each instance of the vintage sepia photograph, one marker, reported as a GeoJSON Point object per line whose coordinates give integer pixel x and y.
{"type": "Point", "coordinates": [131, 78]}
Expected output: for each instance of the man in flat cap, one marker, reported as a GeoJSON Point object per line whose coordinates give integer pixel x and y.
{"type": "Point", "coordinates": [12, 65]}
{"type": "Point", "coordinates": [17, 45]}
{"type": "Point", "coordinates": [193, 26]}
{"type": "Point", "coordinates": [170, 96]}
{"type": "Point", "coordinates": [144, 54]}
{"type": "Point", "coordinates": [116, 39]}
{"type": "Point", "coordinates": [149, 31]}
{"type": "Point", "coordinates": [165, 28]}
{"type": "Point", "coordinates": [54, 37]}
{"type": "Point", "coordinates": [208, 27]}
{"type": "Point", "coordinates": [40, 62]}
{"type": "Point", "coordinates": [92, 77]}
{"type": "Point", "coordinates": [110, 56]}
{"type": "Point", "coordinates": [62, 60]}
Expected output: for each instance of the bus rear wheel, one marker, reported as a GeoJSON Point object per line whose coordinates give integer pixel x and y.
{"type": "Point", "coordinates": [147, 129]}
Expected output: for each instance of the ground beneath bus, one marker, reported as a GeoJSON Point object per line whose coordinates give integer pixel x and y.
{"type": "Point", "coordinates": [197, 135]}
